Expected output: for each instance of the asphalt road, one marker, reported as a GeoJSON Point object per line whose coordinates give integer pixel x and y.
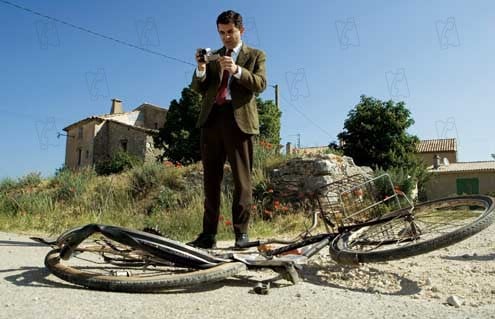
{"type": "Point", "coordinates": [28, 290]}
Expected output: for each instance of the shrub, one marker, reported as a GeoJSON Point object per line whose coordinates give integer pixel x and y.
{"type": "Point", "coordinates": [151, 176]}
{"type": "Point", "coordinates": [7, 184]}
{"type": "Point", "coordinates": [30, 180]}
{"type": "Point", "coordinates": [71, 184]}
{"type": "Point", "coordinates": [119, 162]}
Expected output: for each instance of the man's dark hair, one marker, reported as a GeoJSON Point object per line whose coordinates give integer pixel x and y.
{"type": "Point", "coordinates": [230, 16]}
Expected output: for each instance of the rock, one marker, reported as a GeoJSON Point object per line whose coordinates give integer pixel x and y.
{"type": "Point", "coordinates": [435, 289]}
{"type": "Point", "coordinates": [428, 281]}
{"type": "Point", "coordinates": [307, 174]}
{"type": "Point", "coordinates": [454, 301]}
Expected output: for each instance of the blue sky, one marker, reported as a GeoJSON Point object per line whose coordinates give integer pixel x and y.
{"type": "Point", "coordinates": [436, 56]}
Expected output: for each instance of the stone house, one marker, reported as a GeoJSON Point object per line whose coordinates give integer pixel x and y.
{"type": "Point", "coordinates": [98, 138]}
{"type": "Point", "coordinates": [461, 178]}
{"type": "Point", "coordinates": [427, 150]}
{"type": "Point", "coordinates": [450, 177]}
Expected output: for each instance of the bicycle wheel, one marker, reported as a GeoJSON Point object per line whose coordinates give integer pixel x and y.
{"type": "Point", "coordinates": [105, 265]}
{"type": "Point", "coordinates": [400, 234]}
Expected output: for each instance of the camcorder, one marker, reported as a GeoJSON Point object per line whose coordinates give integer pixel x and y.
{"type": "Point", "coordinates": [206, 55]}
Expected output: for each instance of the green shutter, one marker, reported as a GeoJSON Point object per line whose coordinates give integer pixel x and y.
{"type": "Point", "coordinates": [468, 186]}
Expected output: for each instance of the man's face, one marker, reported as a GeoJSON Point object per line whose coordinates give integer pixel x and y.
{"type": "Point", "coordinates": [230, 34]}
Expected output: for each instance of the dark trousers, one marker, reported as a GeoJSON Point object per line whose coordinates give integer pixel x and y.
{"type": "Point", "coordinates": [221, 140]}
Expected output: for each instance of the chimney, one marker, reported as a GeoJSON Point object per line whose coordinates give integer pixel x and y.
{"type": "Point", "coordinates": [436, 161]}
{"type": "Point", "coordinates": [116, 107]}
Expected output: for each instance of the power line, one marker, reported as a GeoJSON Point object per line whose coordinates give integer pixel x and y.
{"type": "Point", "coordinates": [95, 33]}
{"type": "Point", "coordinates": [71, 25]}
{"type": "Point", "coordinates": [306, 117]}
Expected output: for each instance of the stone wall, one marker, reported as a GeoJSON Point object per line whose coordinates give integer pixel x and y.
{"type": "Point", "coordinates": [80, 139]}
{"type": "Point", "coordinates": [308, 174]}
{"type": "Point", "coordinates": [153, 118]}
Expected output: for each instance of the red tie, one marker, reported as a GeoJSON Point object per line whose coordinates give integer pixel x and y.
{"type": "Point", "coordinates": [222, 90]}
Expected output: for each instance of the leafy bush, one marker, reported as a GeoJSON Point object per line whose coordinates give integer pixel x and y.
{"type": "Point", "coordinates": [7, 184]}
{"type": "Point", "coordinates": [69, 185]}
{"type": "Point", "coordinates": [120, 162]}
{"type": "Point", "coordinates": [30, 180]}
{"type": "Point", "coordinates": [152, 176]}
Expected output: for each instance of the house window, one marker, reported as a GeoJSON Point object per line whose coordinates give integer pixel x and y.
{"type": "Point", "coordinates": [79, 155]}
{"type": "Point", "coordinates": [80, 133]}
{"type": "Point", "coordinates": [468, 186]}
{"type": "Point", "coordinates": [156, 125]}
{"type": "Point", "coordinates": [123, 145]}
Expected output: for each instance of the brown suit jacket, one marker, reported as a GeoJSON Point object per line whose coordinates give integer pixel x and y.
{"type": "Point", "coordinates": [253, 80]}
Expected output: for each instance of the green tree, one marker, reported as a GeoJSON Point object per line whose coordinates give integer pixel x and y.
{"type": "Point", "coordinates": [179, 137]}
{"type": "Point", "coordinates": [269, 116]}
{"type": "Point", "coordinates": [375, 134]}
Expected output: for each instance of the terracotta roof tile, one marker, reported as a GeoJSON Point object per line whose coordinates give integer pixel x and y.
{"type": "Point", "coordinates": [437, 145]}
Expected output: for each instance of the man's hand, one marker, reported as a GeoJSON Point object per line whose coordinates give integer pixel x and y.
{"type": "Point", "coordinates": [227, 63]}
{"type": "Point", "coordinates": [201, 64]}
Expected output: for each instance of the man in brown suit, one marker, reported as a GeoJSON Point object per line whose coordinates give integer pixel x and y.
{"type": "Point", "coordinates": [228, 121]}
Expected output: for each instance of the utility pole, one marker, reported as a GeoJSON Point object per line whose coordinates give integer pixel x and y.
{"type": "Point", "coordinates": [276, 95]}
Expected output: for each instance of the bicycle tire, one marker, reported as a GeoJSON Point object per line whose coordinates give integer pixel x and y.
{"type": "Point", "coordinates": [365, 244]}
{"type": "Point", "coordinates": [83, 276]}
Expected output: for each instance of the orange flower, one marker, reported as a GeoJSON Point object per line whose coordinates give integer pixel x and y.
{"type": "Point", "coordinates": [228, 223]}
{"type": "Point", "coordinates": [276, 204]}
